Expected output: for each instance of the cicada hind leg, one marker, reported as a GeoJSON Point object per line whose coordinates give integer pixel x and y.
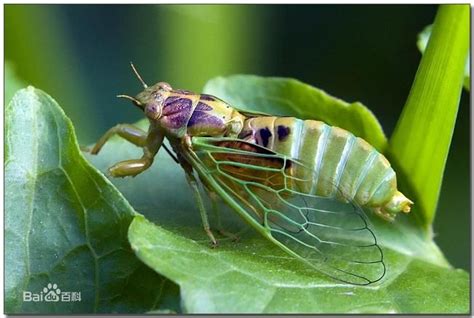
{"type": "Point", "coordinates": [193, 183]}
{"type": "Point", "coordinates": [200, 204]}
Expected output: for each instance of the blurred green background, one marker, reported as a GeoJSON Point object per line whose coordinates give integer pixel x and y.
{"type": "Point", "coordinates": [80, 55]}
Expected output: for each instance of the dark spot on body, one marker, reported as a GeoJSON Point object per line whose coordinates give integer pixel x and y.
{"type": "Point", "coordinates": [207, 97]}
{"type": "Point", "coordinates": [265, 135]}
{"type": "Point", "coordinates": [283, 132]}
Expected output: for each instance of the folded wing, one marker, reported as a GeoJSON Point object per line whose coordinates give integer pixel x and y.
{"type": "Point", "coordinates": [330, 234]}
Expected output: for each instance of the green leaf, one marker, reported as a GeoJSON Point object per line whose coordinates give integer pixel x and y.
{"type": "Point", "coordinates": [290, 97]}
{"type": "Point", "coordinates": [420, 143]}
{"type": "Point", "coordinates": [65, 224]}
{"type": "Point", "coordinates": [252, 275]}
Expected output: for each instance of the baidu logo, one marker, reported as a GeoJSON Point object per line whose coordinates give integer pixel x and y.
{"type": "Point", "coordinates": [51, 293]}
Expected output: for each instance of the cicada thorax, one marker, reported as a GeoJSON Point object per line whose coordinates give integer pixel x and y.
{"type": "Point", "coordinates": [342, 165]}
{"type": "Point", "coordinates": [187, 113]}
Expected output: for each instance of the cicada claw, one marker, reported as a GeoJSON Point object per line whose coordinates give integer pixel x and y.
{"type": "Point", "coordinates": [231, 236]}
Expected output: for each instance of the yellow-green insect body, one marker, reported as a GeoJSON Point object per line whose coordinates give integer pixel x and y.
{"type": "Point", "coordinates": [300, 183]}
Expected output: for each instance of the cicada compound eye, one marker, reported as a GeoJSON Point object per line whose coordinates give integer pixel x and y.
{"type": "Point", "coordinates": [153, 110]}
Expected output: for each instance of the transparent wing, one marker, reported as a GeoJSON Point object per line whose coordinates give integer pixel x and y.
{"type": "Point", "coordinates": [276, 194]}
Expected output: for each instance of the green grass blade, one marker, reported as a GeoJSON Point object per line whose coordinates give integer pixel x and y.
{"type": "Point", "coordinates": [422, 42]}
{"type": "Point", "coordinates": [420, 144]}
{"type": "Point", "coordinates": [12, 82]}
{"type": "Point", "coordinates": [192, 31]}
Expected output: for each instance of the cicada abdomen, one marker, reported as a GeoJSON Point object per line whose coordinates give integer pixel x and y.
{"type": "Point", "coordinates": [343, 165]}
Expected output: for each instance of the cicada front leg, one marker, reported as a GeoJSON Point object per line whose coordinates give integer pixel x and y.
{"type": "Point", "coordinates": [128, 132]}
{"type": "Point", "coordinates": [150, 142]}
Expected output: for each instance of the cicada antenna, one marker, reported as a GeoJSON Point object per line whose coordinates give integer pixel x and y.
{"type": "Point", "coordinates": [133, 99]}
{"type": "Point", "coordinates": [138, 75]}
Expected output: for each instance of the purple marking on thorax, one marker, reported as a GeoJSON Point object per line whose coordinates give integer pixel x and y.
{"type": "Point", "coordinates": [171, 100]}
{"type": "Point", "coordinates": [202, 107]}
{"type": "Point", "coordinates": [205, 119]}
{"type": "Point", "coordinates": [176, 105]}
{"type": "Point", "coordinates": [177, 111]}
{"type": "Point", "coordinates": [201, 117]}
{"type": "Point", "coordinates": [283, 132]}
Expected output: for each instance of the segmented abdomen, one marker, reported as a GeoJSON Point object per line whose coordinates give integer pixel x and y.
{"type": "Point", "coordinates": [343, 165]}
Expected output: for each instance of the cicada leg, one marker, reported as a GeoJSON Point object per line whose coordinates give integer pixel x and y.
{"type": "Point", "coordinates": [128, 132]}
{"type": "Point", "coordinates": [131, 167]}
{"type": "Point", "coordinates": [214, 202]}
{"type": "Point", "coordinates": [202, 210]}
{"type": "Point", "coordinates": [150, 142]}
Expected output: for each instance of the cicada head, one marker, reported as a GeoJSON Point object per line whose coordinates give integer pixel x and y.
{"type": "Point", "coordinates": [151, 99]}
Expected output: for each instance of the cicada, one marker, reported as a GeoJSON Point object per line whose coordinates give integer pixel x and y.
{"type": "Point", "coordinates": [302, 184]}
